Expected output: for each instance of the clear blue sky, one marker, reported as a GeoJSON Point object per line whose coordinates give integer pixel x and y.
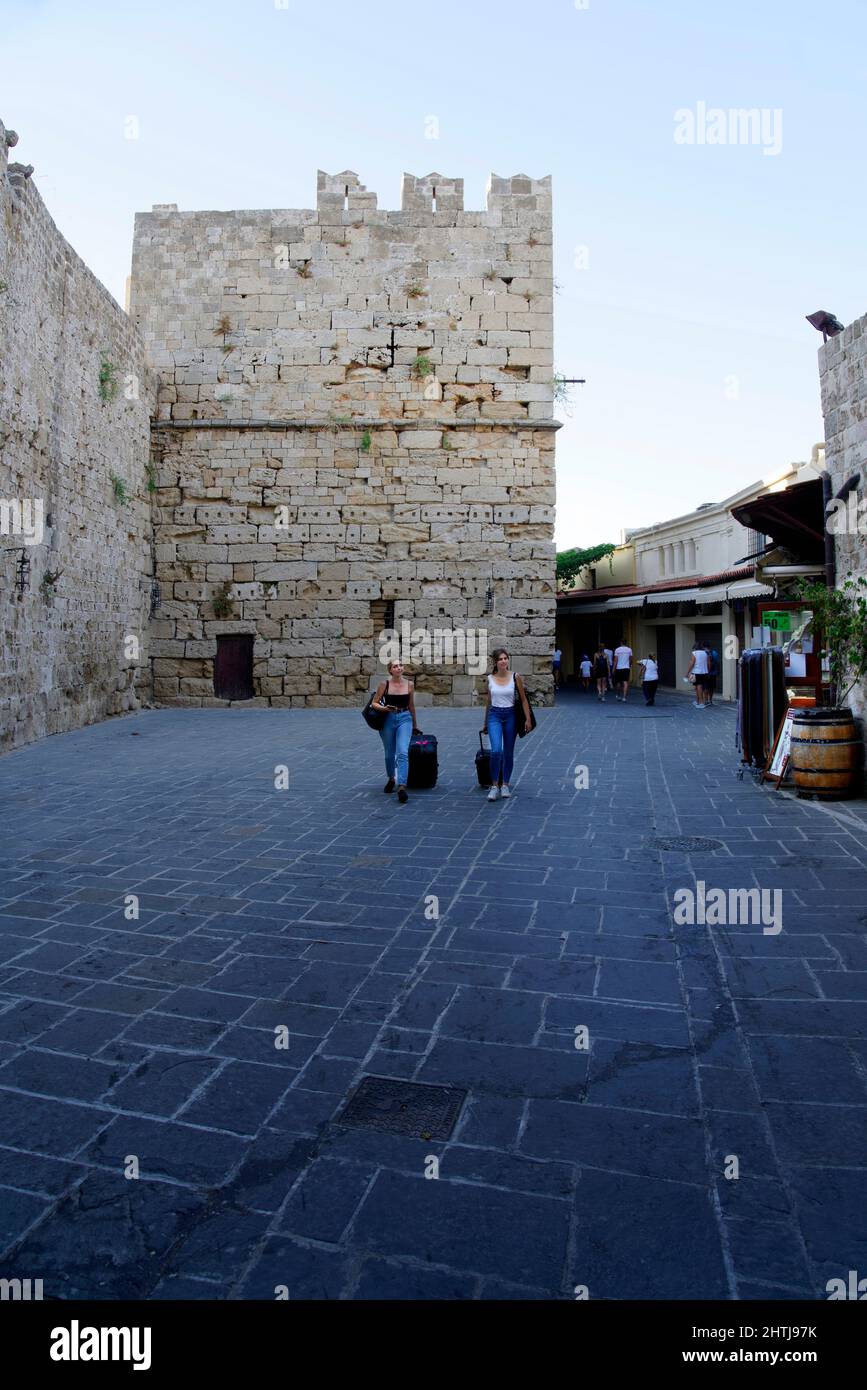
{"type": "Point", "coordinates": [688, 321]}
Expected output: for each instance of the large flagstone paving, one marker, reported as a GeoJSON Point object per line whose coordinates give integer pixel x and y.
{"type": "Point", "coordinates": [289, 942]}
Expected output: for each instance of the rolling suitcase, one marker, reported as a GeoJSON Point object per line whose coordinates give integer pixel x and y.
{"type": "Point", "coordinates": [423, 763]}
{"type": "Point", "coordinates": [483, 762]}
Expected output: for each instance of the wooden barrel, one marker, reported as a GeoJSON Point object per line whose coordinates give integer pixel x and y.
{"type": "Point", "coordinates": [825, 753]}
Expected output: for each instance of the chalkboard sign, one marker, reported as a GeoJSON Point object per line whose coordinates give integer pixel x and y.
{"type": "Point", "coordinates": [775, 768]}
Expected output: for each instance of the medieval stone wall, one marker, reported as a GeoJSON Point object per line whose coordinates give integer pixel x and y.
{"type": "Point", "coordinates": [842, 364]}
{"type": "Point", "coordinates": [74, 610]}
{"type": "Point", "coordinates": [355, 410]}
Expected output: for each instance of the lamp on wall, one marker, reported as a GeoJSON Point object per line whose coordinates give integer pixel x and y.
{"type": "Point", "coordinates": [827, 324]}
{"type": "Point", "coordinates": [489, 600]}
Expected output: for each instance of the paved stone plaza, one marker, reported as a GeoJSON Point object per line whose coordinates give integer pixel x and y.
{"type": "Point", "coordinates": [155, 1042]}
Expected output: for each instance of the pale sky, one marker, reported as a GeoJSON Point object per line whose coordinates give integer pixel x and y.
{"type": "Point", "coordinates": [685, 270]}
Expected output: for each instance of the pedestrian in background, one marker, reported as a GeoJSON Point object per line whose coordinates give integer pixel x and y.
{"type": "Point", "coordinates": [712, 673]}
{"type": "Point", "coordinates": [649, 677]}
{"type": "Point", "coordinates": [698, 667]}
{"type": "Point", "coordinates": [609, 657]}
{"type": "Point", "coordinates": [602, 672]}
{"type": "Point", "coordinates": [586, 671]}
{"type": "Point", "coordinates": [556, 665]}
{"type": "Point", "coordinates": [622, 669]}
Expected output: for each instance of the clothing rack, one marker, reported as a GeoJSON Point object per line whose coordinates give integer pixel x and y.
{"type": "Point", "coordinates": [762, 702]}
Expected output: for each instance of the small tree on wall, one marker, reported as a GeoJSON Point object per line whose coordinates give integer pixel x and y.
{"type": "Point", "coordinates": [840, 616]}
{"type": "Point", "coordinates": [571, 563]}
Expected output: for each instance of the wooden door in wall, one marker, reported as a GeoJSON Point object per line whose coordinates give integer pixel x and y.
{"type": "Point", "coordinates": [665, 655]}
{"type": "Point", "coordinates": [233, 667]}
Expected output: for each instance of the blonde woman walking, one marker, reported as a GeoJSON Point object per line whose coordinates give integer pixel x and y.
{"type": "Point", "coordinates": [395, 696]}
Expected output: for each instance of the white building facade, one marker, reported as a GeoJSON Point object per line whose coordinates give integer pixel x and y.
{"type": "Point", "coordinates": [694, 580]}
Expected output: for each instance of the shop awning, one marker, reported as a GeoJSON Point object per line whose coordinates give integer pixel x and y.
{"type": "Point", "coordinates": [673, 596]}
{"type": "Point", "coordinates": [748, 588]}
{"type": "Point", "coordinates": [793, 517]}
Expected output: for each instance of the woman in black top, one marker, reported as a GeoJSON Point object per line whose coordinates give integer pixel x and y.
{"type": "Point", "coordinates": [601, 672]}
{"type": "Point", "coordinates": [395, 694]}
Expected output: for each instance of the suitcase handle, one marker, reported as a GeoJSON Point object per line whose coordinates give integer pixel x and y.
{"type": "Point", "coordinates": [482, 735]}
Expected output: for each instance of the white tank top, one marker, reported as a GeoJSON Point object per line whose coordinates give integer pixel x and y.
{"type": "Point", "coordinates": [502, 696]}
{"type": "Point", "coordinates": [700, 667]}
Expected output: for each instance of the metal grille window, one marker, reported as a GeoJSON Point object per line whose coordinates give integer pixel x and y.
{"type": "Point", "coordinates": [757, 544]}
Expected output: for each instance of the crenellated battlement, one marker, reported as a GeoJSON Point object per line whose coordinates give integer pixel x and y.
{"type": "Point", "coordinates": [433, 193]}
{"type": "Point", "coordinates": [343, 193]}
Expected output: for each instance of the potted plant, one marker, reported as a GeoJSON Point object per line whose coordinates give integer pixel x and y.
{"type": "Point", "coordinates": [840, 615]}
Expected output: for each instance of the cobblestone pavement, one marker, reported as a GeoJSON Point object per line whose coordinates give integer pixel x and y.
{"type": "Point", "coordinates": [152, 1040]}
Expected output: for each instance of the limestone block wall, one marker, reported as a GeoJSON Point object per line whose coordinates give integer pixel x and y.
{"type": "Point", "coordinates": [842, 364]}
{"type": "Point", "coordinates": [68, 612]}
{"type": "Point", "coordinates": [355, 411]}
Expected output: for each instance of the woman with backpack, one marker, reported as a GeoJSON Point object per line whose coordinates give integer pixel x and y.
{"type": "Point", "coordinates": [505, 690]}
{"type": "Point", "coordinates": [395, 696]}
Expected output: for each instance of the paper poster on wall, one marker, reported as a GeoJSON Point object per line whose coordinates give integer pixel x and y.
{"type": "Point", "coordinates": [796, 665]}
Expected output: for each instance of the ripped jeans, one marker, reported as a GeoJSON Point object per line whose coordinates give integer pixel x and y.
{"type": "Point", "coordinates": [396, 734]}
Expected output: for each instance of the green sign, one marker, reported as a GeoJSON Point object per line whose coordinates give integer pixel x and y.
{"type": "Point", "coordinates": [777, 622]}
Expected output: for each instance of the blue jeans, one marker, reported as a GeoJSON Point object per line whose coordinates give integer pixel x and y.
{"type": "Point", "coordinates": [502, 733]}
{"type": "Point", "coordinates": [396, 734]}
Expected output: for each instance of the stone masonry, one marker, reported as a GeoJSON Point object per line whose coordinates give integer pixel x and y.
{"type": "Point", "coordinates": [842, 362]}
{"type": "Point", "coordinates": [75, 589]}
{"type": "Point", "coordinates": [354, 429]}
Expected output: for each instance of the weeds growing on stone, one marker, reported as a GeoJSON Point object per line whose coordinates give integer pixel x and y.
{"type": "Point", "coordinates": [120, 492]}
{"type": "Point", "coordinates": [222, 604]}
{"type": "Point", "coordinates": [108, 384]}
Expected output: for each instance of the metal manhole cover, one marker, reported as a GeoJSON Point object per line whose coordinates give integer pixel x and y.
{"type": "Point", "coordinates": [404, 1107]}
{"type": "Point", "coordinates": [689, 844]}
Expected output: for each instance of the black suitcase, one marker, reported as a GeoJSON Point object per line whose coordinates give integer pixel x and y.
{"type": "Point", "coordinates": [423, 762]}
{"type": "Point", "coordinates": [483, 763]}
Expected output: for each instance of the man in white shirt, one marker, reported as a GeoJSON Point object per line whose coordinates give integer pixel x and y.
{"type": "Point", "coordinates": [698, 667]}
{"type": "Point", "coordinates": [622, 664]}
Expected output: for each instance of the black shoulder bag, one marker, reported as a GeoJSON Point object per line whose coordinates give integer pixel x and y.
{"type": "Point", "coordinates": [374, 718]}
{"type": "Point", "coordinates": [521, 725]}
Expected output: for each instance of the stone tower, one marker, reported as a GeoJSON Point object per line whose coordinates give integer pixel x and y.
{"type": "Point", "coordinates": [354, 433]}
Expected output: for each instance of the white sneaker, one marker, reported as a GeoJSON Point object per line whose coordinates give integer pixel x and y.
{"type": "Point", "coordinates": [493, 793]}
{"type": "Point", "coordinates": [504, 791]}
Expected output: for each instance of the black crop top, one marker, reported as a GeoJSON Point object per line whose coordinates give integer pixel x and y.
{"type": "Point", "coordinates": [399, 701]}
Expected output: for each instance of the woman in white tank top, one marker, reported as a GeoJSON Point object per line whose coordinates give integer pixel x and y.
{"type": "Point", "coordinates": [699, 668]}
{"type": "Point", "coordinates": [503, 689]}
